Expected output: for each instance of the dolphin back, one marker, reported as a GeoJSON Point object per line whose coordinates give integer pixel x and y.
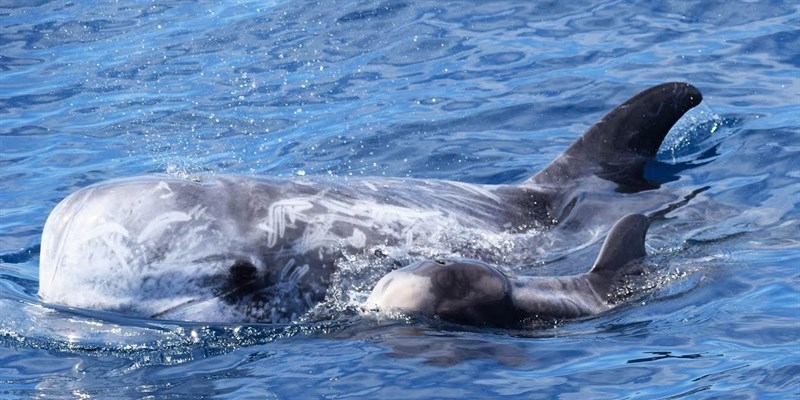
{"type": "Point", "coordinates": [617, 147]}
{"type": "Point", "coordinates": [587, 294]}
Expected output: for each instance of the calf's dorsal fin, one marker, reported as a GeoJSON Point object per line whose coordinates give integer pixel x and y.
{"type": "Point", "coordinates": [623, 245]}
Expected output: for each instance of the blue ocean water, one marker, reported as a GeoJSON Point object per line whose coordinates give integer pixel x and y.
{"type": "Point", "coordinates": [485, 92]}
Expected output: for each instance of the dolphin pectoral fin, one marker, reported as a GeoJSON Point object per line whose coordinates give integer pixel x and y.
{"type": "Point", "coordinates": [623, 245]}
{"type": "Point", "coordinates": [617, 147]}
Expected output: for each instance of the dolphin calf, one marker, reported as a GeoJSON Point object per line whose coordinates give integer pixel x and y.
{"type": "Point", "coordinates": [232, 248]}
{"type": "Point", "coordinates": [476, 293]}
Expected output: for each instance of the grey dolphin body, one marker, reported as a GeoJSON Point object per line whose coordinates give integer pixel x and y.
{"type": "Point", "coordinates": [230, 248]}
{"type": "Point", "coordinates": [473, 292]}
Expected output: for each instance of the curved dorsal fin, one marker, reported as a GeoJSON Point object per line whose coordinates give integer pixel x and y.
{"type": "Point", "coordinates": [624, 244]}
{"type": "Point", "coordinates": [617, 147]}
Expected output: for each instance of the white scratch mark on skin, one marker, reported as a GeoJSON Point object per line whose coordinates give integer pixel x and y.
{"type": "Point", "coordinates": [481, 191]}
{"type": "Point", "coordinates": [298, 273]}
{"type": "Point", "coordinates": [161, 222]}
{"type": "Point", "coordinates": [286, 268]}
{"type": "Point", "coordinates": [370, 186]}
{"type": "Point", "coordinates": [114, 236]}
{"type": "Point", "coordinates": [292, 273]}
{"type": "Point", "coordinates": [104, 230]}
{"type": "Point", "coordinates": [279, 212]}
{"type": "Point", "coordinates": [316, 235]}
{"type": "Point", "coordinates": [120, 252]}
{"type": "Point", "coordinates": [166, 190]}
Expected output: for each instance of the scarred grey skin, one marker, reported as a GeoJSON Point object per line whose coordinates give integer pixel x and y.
{"type": "Point", "coordinates": [232, 248]}
{"type": "Point", "coordinates": [473, 292]}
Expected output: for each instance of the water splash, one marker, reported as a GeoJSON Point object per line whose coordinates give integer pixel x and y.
{"type": "Point", "coordinates": [697, 131]}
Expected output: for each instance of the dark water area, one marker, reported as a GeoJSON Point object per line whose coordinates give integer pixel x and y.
{"type": "Point", "coordinates": [479, 92]}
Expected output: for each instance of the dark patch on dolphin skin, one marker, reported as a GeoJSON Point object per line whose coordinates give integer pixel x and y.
{"type": "Point", "coordinates": [242, 280]}
{"type": "Point", "coordinates": [262, 297]}
{"type": "Point", "coordinates": [473, 294]}
{"type": "Point", "coordinates": [242, 272]}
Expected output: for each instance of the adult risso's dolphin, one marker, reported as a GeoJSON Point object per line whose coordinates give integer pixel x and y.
{"type": "Point", "coordinates": [231, 248]}
{"type": "Point", "coordinates": [473, 292]}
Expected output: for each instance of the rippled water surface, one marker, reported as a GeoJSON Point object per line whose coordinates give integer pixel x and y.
{"type": "Point", "coordinates": [484, 92]}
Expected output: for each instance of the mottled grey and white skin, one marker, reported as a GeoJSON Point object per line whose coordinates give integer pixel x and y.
{"type": "Point", "coordinates": [232, 248]}
{"type": "Point", "coordinates": [473, 292]}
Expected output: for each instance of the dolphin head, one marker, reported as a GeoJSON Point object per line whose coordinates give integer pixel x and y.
{"type": "Point", "coordinates": [164, 247]}
{"type": "Point", "coordinates": [463, 291]}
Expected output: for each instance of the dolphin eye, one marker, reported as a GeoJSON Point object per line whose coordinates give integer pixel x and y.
{"type": "Point", "coordinates": [440, 261]}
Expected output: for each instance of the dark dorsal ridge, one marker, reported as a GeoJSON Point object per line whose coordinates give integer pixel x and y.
{"type": "Point", "coordinates": [617, 147]}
